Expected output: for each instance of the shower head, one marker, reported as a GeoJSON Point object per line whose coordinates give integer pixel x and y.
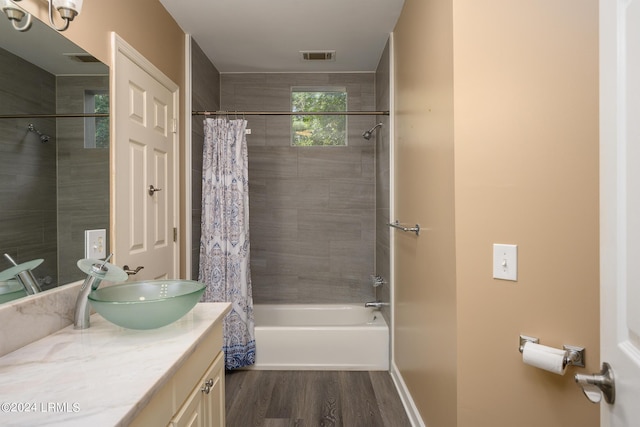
{"type": "Point", "coordinates": [369, 133]}
{"type": "Point", "coordinates": [43, 138]}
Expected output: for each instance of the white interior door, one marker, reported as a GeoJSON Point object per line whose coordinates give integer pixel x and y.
{"type": "Point", "coordinates": [145, 166]}
{"type": "Point", "coordinates": [620, 206]}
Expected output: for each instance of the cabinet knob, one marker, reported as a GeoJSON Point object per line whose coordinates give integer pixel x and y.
{"type": "Point", "coordinates": [206, 388]}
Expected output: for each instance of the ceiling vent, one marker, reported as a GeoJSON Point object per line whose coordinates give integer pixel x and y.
{"type": "Point", "coordinates": [81, 57]}
{"type": "Point", "coordinates": [317, 55]}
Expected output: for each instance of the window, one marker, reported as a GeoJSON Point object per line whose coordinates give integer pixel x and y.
{"type": "Point", "coordinates": [313, 130]}
{"type": "Point", "coordinates": [96, 129]}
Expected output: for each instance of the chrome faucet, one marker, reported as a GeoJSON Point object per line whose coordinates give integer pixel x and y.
{"type": "Point", "coordinates": [96, 271]}
{"type": "Point", "coordinates": [83, 308]}
{"type": "Point", "coordinates": [377, 281]}
{"type": "Point", "coordinates": [376, 304]}
{"type": "Point", "coordinates": [25, 276]}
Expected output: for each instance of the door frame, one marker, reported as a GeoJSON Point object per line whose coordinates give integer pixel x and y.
{"type": "Point", "coordinates": [120, 46]}
{"type": "Point", "coordinates": [188, 160]}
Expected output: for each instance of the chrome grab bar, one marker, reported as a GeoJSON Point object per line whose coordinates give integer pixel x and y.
{"type": "Point", "coordinates": [396, 224]}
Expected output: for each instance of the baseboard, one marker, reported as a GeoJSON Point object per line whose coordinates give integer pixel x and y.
{"type": "Point", "coordinates": [405, 396]}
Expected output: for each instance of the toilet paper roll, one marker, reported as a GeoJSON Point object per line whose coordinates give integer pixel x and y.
{"type": "Point", "coordinates": [543, 357]}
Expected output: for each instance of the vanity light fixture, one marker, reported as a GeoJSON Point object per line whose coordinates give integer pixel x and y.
{"type": "Point", "coordinates": [68, 9]}
{"type": "Point", "coordinates": [16, 15]}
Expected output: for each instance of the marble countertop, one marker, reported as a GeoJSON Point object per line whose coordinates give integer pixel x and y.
{"type": "Point", "coordinates": [101, 376]}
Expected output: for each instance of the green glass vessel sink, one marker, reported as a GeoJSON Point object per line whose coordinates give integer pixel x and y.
{"type": "Point", "coordinates": [10, 290]}
{"type": "Point", "coordinates": [148, 304]}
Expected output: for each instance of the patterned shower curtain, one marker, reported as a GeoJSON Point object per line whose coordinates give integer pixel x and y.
{"type": "Point", "coordinates": [224, 241]}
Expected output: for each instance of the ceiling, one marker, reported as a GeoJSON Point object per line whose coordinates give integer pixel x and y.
{"type": "Point", "coordinates": [241, 36]}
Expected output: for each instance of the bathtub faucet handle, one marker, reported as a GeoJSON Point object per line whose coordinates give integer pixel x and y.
{"type": "Point", "coordinates": [377, 280]}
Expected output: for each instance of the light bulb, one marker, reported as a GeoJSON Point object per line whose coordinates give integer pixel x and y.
{"type": "Point", "coordinates": [68, 9]}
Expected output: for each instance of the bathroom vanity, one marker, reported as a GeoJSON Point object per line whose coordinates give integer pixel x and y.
{"type": "Point", "coordinates": [110, 376]}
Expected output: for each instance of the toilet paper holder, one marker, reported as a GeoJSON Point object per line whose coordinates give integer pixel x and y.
{"type": "Point", "coordinates": [573, 355]}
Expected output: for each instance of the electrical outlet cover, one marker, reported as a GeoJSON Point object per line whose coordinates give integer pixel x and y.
{"type": "Point", "coordinates": [95, 244]}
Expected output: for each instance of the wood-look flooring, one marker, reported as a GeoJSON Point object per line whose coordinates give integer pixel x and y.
{"type": "Point", "coordinates": [312, 398]}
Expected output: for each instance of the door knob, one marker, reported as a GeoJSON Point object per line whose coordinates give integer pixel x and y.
{"type": "Point", "coordinates": [597, 385]}
{"type": "Point", "coordinates": [131, 272]}
{"type": "Point", "coordinates": [152, 190]}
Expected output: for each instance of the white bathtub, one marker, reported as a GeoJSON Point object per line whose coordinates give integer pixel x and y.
{"type": "Point", "coordinates": [320, 337]}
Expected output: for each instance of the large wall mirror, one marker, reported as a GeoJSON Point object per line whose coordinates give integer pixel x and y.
{"type": "Point", "coordinates": [54, 169]}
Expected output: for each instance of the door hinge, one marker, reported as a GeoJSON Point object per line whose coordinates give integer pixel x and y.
{"type": "Point", "coordinates": [175, 125]}
{"type": "Point", "coordinates": [175, 234]}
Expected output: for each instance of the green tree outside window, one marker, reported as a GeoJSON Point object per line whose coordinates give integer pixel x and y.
{"type": "Point", "coordinates": [315, 130]}
{"type": "Point", "coordinates": [102, 123]}
{"type": "Point", "coordinates": [96, 129]}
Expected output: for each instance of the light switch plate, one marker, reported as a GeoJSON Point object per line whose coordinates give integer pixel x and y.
{"type": "Point", "coordinates": [95, 244]}
{"type": "Point", "coordinates": [505, 262]}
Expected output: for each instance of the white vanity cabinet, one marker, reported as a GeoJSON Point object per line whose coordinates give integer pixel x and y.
{"type": "Point", "coordinates": [194, 395]}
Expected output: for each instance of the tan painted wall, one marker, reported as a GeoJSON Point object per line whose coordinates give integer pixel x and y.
{"type": "Point", "coordinates": [148, 27]}
{"type": "Point", "coordinates": [144, 24]}
{"type": "Point", "coordinates": [523, 129]}
{"type": "Point", "coordinates": [526, 150]}
{"type": "Point", "coordinates": [425, 283]}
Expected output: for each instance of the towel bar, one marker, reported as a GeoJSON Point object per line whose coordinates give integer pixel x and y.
{"type": "Point", "coordinates": [396, 224]}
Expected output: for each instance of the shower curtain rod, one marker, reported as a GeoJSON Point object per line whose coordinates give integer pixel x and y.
{"type": "Point", "coordinates": [51, 116]}
{"type": "Point", "coordinates": [289, 113]}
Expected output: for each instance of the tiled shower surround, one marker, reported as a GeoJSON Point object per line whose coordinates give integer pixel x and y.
{"type": "Point", "coordinates": [205, 83]}
{"type": "Point", "coordinates": [28, 226]}
{"type": "Point", "coordinates": [383, 182]}
{"type": "Point", "coordinates": [312, 209]}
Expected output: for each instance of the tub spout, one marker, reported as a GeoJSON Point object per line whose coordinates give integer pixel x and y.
{"type": "Point", "coordinates": [376, 304]}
